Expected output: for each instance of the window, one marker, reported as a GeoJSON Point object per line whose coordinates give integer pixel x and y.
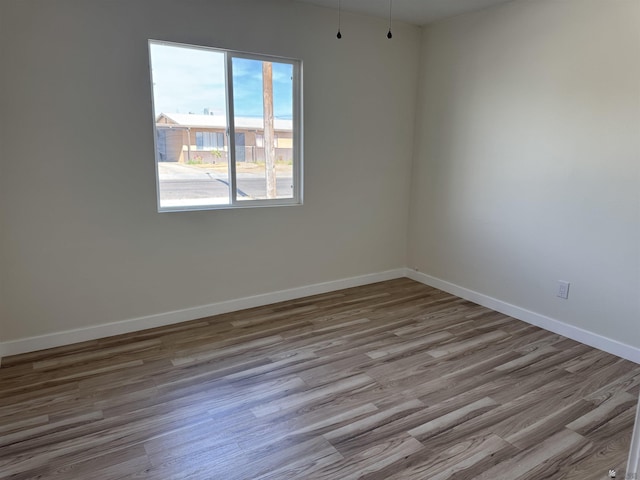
{"type": "Point", "coordinates": [227, 128]}
{"type": "Point", "coordinates": [209, 140]}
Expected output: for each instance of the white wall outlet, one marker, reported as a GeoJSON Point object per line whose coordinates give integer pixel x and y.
{"type": "Point", "coordinates": [563, 289]}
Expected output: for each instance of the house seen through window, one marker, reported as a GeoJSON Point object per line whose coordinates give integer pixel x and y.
{"type": "Point", "coordinates": [227, 128]}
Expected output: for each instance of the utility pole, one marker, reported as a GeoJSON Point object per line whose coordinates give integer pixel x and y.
{"type": "Point", "coordinates": [269, 134]}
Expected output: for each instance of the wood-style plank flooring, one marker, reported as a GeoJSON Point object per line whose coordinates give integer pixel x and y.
{"type": "Point", "coordinates": [393, 380]}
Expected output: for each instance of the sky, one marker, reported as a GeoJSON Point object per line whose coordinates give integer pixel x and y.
{"type": "Point", "coordinates": [188, 79]}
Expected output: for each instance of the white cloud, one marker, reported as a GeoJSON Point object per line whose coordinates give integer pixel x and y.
{"type": "Point", "coordinates": [187, 79]}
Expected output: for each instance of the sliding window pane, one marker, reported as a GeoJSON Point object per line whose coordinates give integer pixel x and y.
{"type": "Point", "coordinates": [189, 95]}
{"type": "Point", "coordinates": [263, 122]}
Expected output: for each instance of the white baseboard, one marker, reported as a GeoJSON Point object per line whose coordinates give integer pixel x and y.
{"type": "Point", "coordinates": [570, 331]}
{"type": "Point", "coordinates": [68, 337]}
{"type": "Point", "coordinates": [32, 344]}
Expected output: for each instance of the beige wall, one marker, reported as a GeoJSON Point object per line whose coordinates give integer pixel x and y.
{"type": "Point", "coordinates": [81, 241]}
{"type": "Point", "coordinates": [527, 159]}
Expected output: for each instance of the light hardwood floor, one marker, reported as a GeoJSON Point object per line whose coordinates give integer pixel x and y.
{"type": "Point", "coordinates": [394, 380]}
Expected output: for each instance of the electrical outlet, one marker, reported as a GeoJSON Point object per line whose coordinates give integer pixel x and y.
{"type": "Point", "coordinates": [563, 289]}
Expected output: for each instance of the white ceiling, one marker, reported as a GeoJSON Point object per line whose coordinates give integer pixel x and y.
{"type": "Point", "coordinates": [418, 12]}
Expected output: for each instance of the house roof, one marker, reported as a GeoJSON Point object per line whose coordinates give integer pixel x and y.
{"type": "Point", "coordinates": [220, 121]}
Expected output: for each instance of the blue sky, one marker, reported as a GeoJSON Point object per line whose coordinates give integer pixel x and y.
{"type": "Point", "coordinates": [192, 79]}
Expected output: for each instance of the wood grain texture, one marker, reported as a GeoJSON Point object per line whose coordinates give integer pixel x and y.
{"type": "Point", "coordinates": [394, 380]}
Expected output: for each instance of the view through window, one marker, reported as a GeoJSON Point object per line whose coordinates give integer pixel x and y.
{"type": "Point", "coordinates": [227, 128]}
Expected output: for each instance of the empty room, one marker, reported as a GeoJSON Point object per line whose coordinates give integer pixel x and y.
{"type": "Point", "coordinates": [320, 239]}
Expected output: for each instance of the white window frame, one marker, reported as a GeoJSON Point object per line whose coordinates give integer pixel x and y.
{"type": "Point", "coordinates": [297, 179]}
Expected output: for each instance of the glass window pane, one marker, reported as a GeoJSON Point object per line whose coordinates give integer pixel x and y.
{"type": "Point", "coordinates": [263, 119]}
{"type": "Point", "coordinates": [195, 166]}
{"type": "Point", "coordinates": [189, 95]}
